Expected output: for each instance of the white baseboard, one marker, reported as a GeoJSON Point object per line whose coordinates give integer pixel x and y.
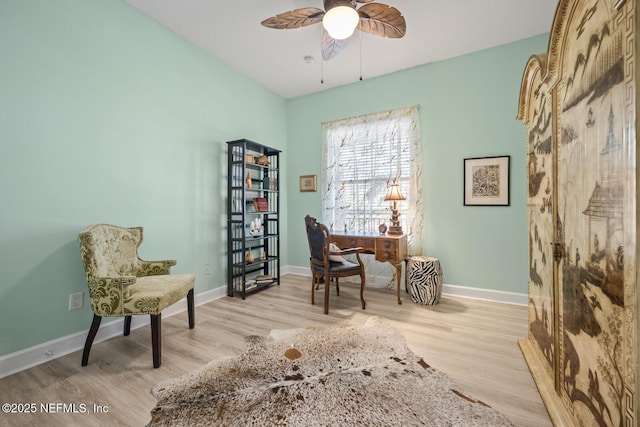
{"type": "Point", "coordinates": [453, 290]}
{"type": "Point", "coordinates": [45, 352]}
{"type": "Point", "coordinates": [486, 294]}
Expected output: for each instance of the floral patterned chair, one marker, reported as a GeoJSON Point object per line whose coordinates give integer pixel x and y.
{"type": "Point", "coordinates": [123, 285]}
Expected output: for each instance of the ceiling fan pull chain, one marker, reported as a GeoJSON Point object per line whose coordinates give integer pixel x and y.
{"type": "Point", "coordinates": [321, 61]}
{"type": "Point", "coordinates": [360, 55]}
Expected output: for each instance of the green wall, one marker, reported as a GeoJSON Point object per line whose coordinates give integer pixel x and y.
{"type": "Point", "coordinates": [106, 116]}
{"type": "Point", "coordinates": [468, 106]}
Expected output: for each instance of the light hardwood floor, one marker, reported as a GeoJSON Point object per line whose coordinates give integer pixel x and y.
{"type": "Point", "coordinates": [473, 341]}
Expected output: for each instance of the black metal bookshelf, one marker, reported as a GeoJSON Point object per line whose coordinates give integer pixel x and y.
{"type": "Point", "coordinates": [253, 217]}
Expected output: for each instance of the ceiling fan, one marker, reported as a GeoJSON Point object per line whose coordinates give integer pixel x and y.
{"type": "Point", "coordinates": [339, 20]}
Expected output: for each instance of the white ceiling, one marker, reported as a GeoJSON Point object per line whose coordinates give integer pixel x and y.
{"type": "Point", "coordinates": [230, 30]}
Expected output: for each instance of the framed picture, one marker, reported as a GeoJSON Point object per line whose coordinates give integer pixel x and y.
{"type": "Point", "coordinates": [308, 183]}
{"type": "Point", "coordinates": [486, 181]}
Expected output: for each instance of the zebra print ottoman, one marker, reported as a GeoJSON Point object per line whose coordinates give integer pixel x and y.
{"type": "Point", "coordinates": [424, 275]}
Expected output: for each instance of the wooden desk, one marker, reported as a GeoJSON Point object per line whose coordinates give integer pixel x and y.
{"type": "Point", "coordinates": [386, 248]}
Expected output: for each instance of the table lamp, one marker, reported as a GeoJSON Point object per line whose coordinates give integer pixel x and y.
{"type": "Point", "coordinates": [394, 195]}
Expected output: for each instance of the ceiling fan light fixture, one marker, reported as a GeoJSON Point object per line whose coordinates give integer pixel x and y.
{"type": "Point", "coordinates": [340, 22]}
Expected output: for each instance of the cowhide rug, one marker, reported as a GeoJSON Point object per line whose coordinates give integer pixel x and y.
{"type": "Point", "coordinates": [331, 376]}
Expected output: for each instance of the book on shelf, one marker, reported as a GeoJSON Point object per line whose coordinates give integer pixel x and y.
{"type": "Point", "coordinates": [264, 278]}
{"type": "Point", "coordinates": [270, 184]}
{"type": "Point", "coordinates": [249, 284]}
{"type": "Point", "coordinates": [261, 204]}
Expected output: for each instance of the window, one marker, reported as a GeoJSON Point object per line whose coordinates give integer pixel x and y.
{"type": "Point", "coordinates": [363, 156]}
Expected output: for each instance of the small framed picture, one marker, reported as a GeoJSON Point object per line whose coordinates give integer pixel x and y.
{"type": "Point", "coordinates": [486, 181]}
{"type": "Point", "coordinates": [308, 183]}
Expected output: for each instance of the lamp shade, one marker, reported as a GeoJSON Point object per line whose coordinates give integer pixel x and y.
{"type": "Point", "coordinates": [394, 193]}
{"type": "Point", "coordinates": [340, 21]}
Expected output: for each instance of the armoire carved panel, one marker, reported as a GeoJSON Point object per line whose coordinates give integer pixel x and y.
{"type": "Point", "coordinates": [578, 103]}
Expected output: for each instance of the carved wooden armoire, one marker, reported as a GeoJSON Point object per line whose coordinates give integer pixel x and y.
{"type": "Point", "coordinates": [578, 102]}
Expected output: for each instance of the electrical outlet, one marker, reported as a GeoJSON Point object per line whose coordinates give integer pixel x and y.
{"type": "Point", "coordinates": [76, 300]}
{"type": "Point", "coordinates": [207, 269]}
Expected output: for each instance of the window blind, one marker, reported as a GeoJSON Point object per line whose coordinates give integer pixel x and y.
{"type": "Point", "coordinates": [363, 157]}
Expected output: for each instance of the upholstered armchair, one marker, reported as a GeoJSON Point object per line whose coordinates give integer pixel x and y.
{"type": "Point", "coordinates": [123, 285]}
{"type": "Point", "coordinates": [329, 263]}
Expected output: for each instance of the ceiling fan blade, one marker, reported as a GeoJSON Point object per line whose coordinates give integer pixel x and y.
{"type": "Point", "coordinates": [364, 1]}
{"type": "Point", "coordinates": [382, 20]}
{"type": "Point", "coordinates": [295, 18]}
{"type": "Point", "coordinates": [331, 47]}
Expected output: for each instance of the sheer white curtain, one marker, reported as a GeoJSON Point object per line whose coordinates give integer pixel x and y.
{"type": "Point", "coordinates": [362, 156]}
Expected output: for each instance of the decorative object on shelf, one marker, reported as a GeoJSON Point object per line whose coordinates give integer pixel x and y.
{"type": "Point", "coordinates": [394, 195]}
{"type": "Point", "coordinates": [382, 228]}
{"type": "Point", "coordinates": [486, 181]}
{"type": "Point", "coordinates": [263, 161]}
{"type": "Point", "coordinates": [250, 158]}
{"type": "Point", "coordinates": [249, 258]}
{"type": "Point", "coordinates": [308, 183]}
{"type": "Point", "coordinates": [256, 228]}
{"type": "Point", "coordinates": [258, 231]}
{"type": "Point", "coordinates": [248, 180]}
{"type": "Point", "coordinates": [263, 256]}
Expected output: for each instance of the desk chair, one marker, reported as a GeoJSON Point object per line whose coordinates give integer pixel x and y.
{"type": "Point", "coordinates": [330, 263]}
